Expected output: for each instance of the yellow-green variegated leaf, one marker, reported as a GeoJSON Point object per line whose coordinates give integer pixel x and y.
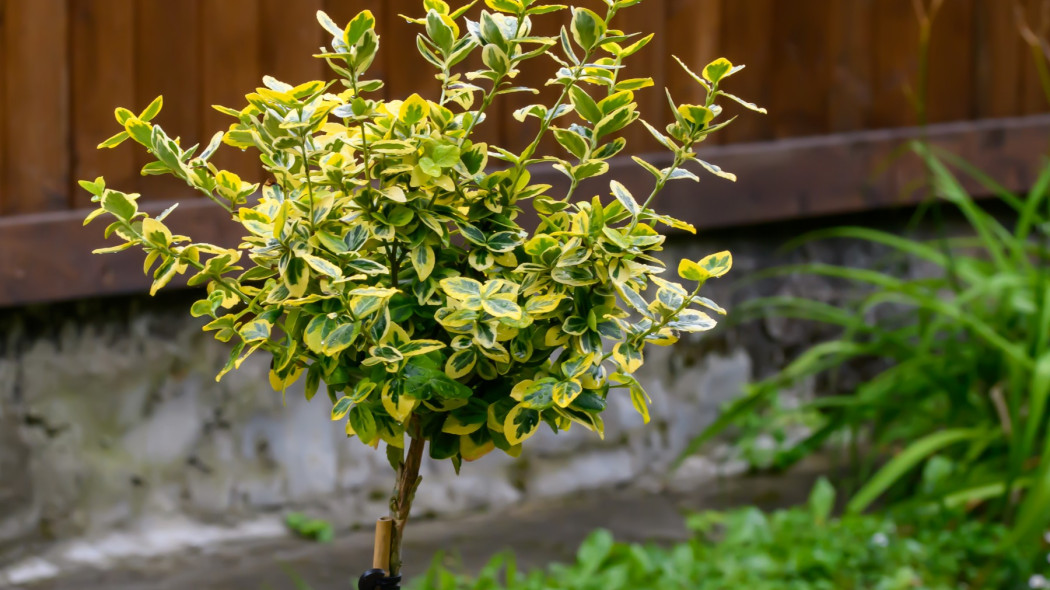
{"type": "Point", "coordinates": [341, 408]}
{"type": "Point", "coordinates": [280, 384]}
{"type": "Point", "coordinates": [691, 271]}
{"type": "Point", "coordinates": [296, 277]}
{"type": "Point", "coordinates": [462, 289]}
{"type": "Point", "coordinates": [323, 266]}
{"type": "Point", "coordinates": [535, 395]}
{"type": "Point", "coordinates": [461, 363]}
{"type": "Point", "coordinates": [155, 232]}
{"type": "Point", "coordinates": [453, 425]}
{"type": "Point", "coordinates": [413, 110]}
{"type": "Point", "coordinates": [541, 305]}
{"type": "Point", "coordinates": [640, 400]}
{"type": "Point", "coordinates": [423, 260]}
{"type": "Point", "coordinates": [520, 424]}
{"type": "Point", "coordinates": [255, 330]}
{"type": "Point", "coordinates": [363, 424]}
{"type": "Point", "coordinates": [418, 347]}
{"type": "Point", "coordinates": [692, 321]}
{"type": "Point", "coordinates": [628, 357]}
{"type": "Point", "coordinates": [565, 392]}
{"type": "Point", "coordinates": [717, 264]}
{"type": "Point", "coordinates": [399, 406]}
{"type": "Point", "coordinates": [501, 307]}
{"type": "Point", "coordinates": [471, 450]}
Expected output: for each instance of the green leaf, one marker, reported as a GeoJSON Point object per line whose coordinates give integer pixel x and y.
{"type": "Point", "coordinates": [340, 338]}
{"type": "Point", "coordinates": [520, 424]}
{"type": "Point", "coordinates": [461, 363]}
{"type": "Point", "coordinates": [152, 110]}
{"type": "Point", "coordinates": [821, 501]}
{"type": "Point", "coordinates": [461, 288]}
{"type": "Point", "coordinates": [719, 69]}
{"type": "Point", "coordinates": [587, 28]}
{"type": "Point", "coordinates": [356, 28]}
{"type": "Point", "coordinates": [574, 143]}
{"type": "Point", "coordinates": [536, 395]}
{"type": "Point", "coordinates": [363, 423]}
{"type": "Point", "coordinates": [565, 392]}
{"type": "Point", "coordinates": [628, 357]}
{"type": "Point", "coordinates": [120, 205]}
{"type": "Point", "coordinates": [413, 110]}
{"type": "Point", "coordinates": [917, 452]}
{"type": "Point", "coordinates": [495, 59]}
{"type": "Point", "coordinates": [585, 105]}
{"type": "Point", "coordinates": [341, 408]}
{"type": "Point", "coordinates": [258, 329]}
{"type": "Point", "coordinates": [625, 198]}
{"type": "Point", "coordinates": [114, 141]}
{"type": "Point", "coordinates": [322, 266]}
{"type": "Point", "coordinates": [501, 308]}
{"type": "Point", "coordinates": [140, 131]}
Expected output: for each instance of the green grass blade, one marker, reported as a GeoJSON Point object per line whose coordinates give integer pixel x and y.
{"type": "Point", "coordinates": [1029, 216]}
{"type": "Point", "coordinates": [799, 308]}
{"type": "Point", "coordinates": [992, 186]}
{"type": "Point", "coordinates": [907, 460]}
{"type": "Point", "coordinates": [947, 186]}
{"type": "Point", "coordinates": [1039, 392]}
{"type": "Point", "coordinates": [908, 246]}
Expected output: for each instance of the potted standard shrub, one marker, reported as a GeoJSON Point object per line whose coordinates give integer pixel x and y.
{"type": "Point", "coordinates": [385, 259]}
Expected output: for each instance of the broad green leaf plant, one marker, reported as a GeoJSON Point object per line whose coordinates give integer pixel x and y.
{"type": "Point", "coordinates": [384, 257]}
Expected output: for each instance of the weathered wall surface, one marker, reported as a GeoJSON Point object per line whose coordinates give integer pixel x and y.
{"type": "Point", "coordinates": [110, 418]}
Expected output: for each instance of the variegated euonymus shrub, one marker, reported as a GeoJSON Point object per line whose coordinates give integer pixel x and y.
{"type": "Point", "coordinates": [384, 257]}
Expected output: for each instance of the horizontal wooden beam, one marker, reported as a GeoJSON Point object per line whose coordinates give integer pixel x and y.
{"type": "Point", "coordinates": [47, 257]}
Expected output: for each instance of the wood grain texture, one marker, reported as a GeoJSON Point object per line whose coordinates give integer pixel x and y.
{"type": "Point", "coordinates": [288, 40]}
{"type": "Point", "coordinates": [1000, 60]}
{"type": "Point", "coordinates": [36, 102]}
{"type": "Point", "coordinates": [850, 91]}
{"type": "Point", "coordinates": [800, 70]}
{"type": "Point", "coordinates": [1033, 98]}
{"type": "Point", "coordinates": [103, 77]}
{"type": "Point", "coordinates": [650, 62]}
{"type": "Point", "coordinates": [6, 36]}
{"type": "Point", "coordinates": [168, 50]}
{"type": "Point", "coordinates": [747, 27]}
{"type": "Point", "coordinates": [779, 181]}
{"type": "Point", "coordinates": [895, 64]}
{"type": "Point", "coordinates": [229, 28]}
{"type": "Point", "coordinates": [953, 55]}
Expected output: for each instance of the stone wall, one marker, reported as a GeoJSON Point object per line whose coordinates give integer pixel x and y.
{"type": "Point", "coordinates": [111, 419]}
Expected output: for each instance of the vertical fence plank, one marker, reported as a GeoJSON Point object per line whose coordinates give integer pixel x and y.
{"type": "Point", "coordinates": [1033, 99]}
{"type": "Point", "coordinates": [693, 29]}
{"type": "Point", "coordinates": [35, 63]}
{"type": "Point", "coordinates": [747, 28]}
{"type": "Point", "coordinates": [799, 107]}
{"type": "Point", "coordinates": [6, 44]}
{"type": "Point", "coordinates": [849, 86]}
{"type": "Point", "coordinates": [1000, 60]}
{"type": "Point", "coordinates": [168, 61]}
{"type": "Point", "coordinates": [289, 36]}
{"type": "Point", "coordinates": [895, 64]}
{"type": "Point", "coordinates": [230, 28]}
{"type": "Point", "coordinates": [952, 63]}
{"type": "Point", "coordinates": [399, 63]}
{"type": "Point", "coordinates": [648, 63]}
{"type": "Point", "coordinates": [103, 74]}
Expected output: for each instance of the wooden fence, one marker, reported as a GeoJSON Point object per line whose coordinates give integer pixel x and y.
{"type": "Point", "coordinates": [834, 74]}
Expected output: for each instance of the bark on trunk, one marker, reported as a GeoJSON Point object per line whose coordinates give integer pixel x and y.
{"type": "Point", "coordinates": [401, 503]}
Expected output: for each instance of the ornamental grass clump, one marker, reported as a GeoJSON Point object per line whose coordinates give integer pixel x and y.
{"type": "Point", "coordinates": [384, 257]}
